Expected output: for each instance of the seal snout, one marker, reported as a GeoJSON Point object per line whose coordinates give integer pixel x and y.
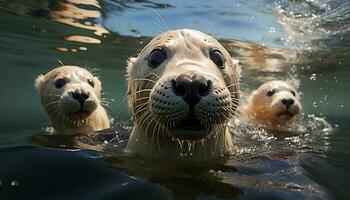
{"type": "Point", "coordinates": [287, 102]}
{"type": "Point", "coordinates": [191, 89]}
{"type": "Point", "coordinates": [80, 96]}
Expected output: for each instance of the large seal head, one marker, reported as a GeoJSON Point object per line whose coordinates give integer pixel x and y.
{"type": "Point", "coordinates": [71, 97]}
{"type": "Point", "coordinates": [273, 104]}
{"type": "Point", "coordinates": [183, 88]}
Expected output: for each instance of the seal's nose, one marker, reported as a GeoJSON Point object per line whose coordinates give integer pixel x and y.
{"type": "Point", "coordinates": [191, 89]}
{"type": "Point", "coordinates": [80, 96]}
{"type": "Point", "coordinates": [287, 102]}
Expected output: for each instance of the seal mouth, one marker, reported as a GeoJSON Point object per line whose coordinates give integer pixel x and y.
{"type": "Point", "coordinates": [81, 114]}
{"type": "Point", "coordinates": [285, 115]}
{"type": "Point", "coordinates": [190, 129]}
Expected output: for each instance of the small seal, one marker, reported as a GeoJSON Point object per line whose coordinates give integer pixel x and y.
{"type": "Point", "coordinates": [71, 97]}
{"type": "Point", "coordinates": [183, 89]}
{"type": "Point", "coordinates": [274, 104]}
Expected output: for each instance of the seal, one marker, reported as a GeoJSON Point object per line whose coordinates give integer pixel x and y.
{"type": "Point", "coordinates": [183, 89]}
{"type": "Point", "coordinates": [71, 97]}
{"type": "Point", "coordinates": [274, 104]}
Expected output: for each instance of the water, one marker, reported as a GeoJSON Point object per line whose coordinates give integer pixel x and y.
{"type": "Point", "coordinates": [306, 42]}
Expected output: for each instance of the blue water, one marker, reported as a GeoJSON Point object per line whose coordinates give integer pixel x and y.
{"type": "Point", "coordinates": [306, 42]}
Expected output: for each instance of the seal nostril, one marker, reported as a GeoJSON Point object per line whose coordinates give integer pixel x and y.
{"type": "Point", "coordinates": [284, 101]}
{"type": "Point", "coordinates": [291, 101]}
{"type": "Point", "coordinates": [203, 89]}
{"type": "Point", "coordinates": [75, 94]}
{"type": "Point", "coordinates": [85, 96]}
{"type": "Point", "coordinates": [181, 85]}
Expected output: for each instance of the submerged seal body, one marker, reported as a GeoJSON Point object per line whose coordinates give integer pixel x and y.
{"type": "Point", "coordinates": [274, 104]}
{"type": "Point", "coordinates": [71, 97]}
{"type": "Point", "coordinates": [183, 89]}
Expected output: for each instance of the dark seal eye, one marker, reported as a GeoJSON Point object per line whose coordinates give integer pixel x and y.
{"type": "Point", "coordinates": [293, 93]}
{"type": "Point", "coordinates": [217, 58]}
{"type": "Point", "coordinates": [60, 83]}
{"type": "Point", "coordinates": [91, 82]}
{"type": "Point", "coordinates": [270, 93]}
{"type": "Point", "coordinates": [156, 57]}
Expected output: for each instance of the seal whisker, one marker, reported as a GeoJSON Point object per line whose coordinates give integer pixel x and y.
{"type": "Point", "coordinates": [51, 104]}
{"type": "Point", "coordinates": [145, 79]}
{"type": "Point", "coordinates": [144, 90]}
{"type": "Point", "coordinates": [234, 84]}
{"type": "Point", "coordinates": [140, 99]}
{"type": "Point", "coordinates": [138, 104]}
{"type": "Point", "coordinates": [161, 19]}
{"type": "Point", "coordinates": [139, 110]}
{"type": "Point", "coordinates": [232, 93]}
{"type": "Point", "coordinates": [106, 105]}
{"type": "Point", "coordinates": [55, 112]}
{"type": "Point", "coordinates": [141, 122]}
{"type": "Point", "coordinates": [51, 94]}
{"type": "Point", "coordinates": [154, 74]}
{"type": "Point", "coordinates": [159, 27]}
{"type": "Point", "coordinates": [158, 136]}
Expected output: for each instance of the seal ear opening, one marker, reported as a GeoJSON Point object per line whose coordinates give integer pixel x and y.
{"type": "Point", "coordinates": [39, 81]}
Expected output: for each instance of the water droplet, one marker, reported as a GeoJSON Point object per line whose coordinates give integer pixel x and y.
{"type": "Point", "coordinates": [203, 142]}
{"type": "Point", "coordinates": [14, 183]}
{"type": "Point", "coordinates": [314, 104]}
{"type": "Point", "coordinates": [342, 106]}
{"type": "Point", "coordinates": [272, 30]}
{"type": "Point", "coordinates": [313, 77]}
{"type": "Point", "coordinates": [189, 145]}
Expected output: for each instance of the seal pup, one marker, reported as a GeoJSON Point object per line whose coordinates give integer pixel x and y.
{"type": "Point", "coordinates": [71, 97]}
{"type": "Point", "coordinates": [183, 89]}
{"type": "Point", "coordinates": [274, 104]}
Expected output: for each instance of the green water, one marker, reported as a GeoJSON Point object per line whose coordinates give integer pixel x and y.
{"type": "Point", "coordinates": [305, 42]}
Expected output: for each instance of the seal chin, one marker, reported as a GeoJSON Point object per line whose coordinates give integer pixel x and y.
{"type": "Point", "coordinates": [190, 129]}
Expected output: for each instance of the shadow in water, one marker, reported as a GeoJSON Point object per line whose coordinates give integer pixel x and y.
{"type": "Point", "coordinates": [185, 180]}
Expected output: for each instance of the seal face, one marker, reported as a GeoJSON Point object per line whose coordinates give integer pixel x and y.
{"type": "Point", "coordinates": [274, 103]}
{"type": "Point", "coordinates": [71, 97]}
{"type": "Point", "coordinates": [183, 85]}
